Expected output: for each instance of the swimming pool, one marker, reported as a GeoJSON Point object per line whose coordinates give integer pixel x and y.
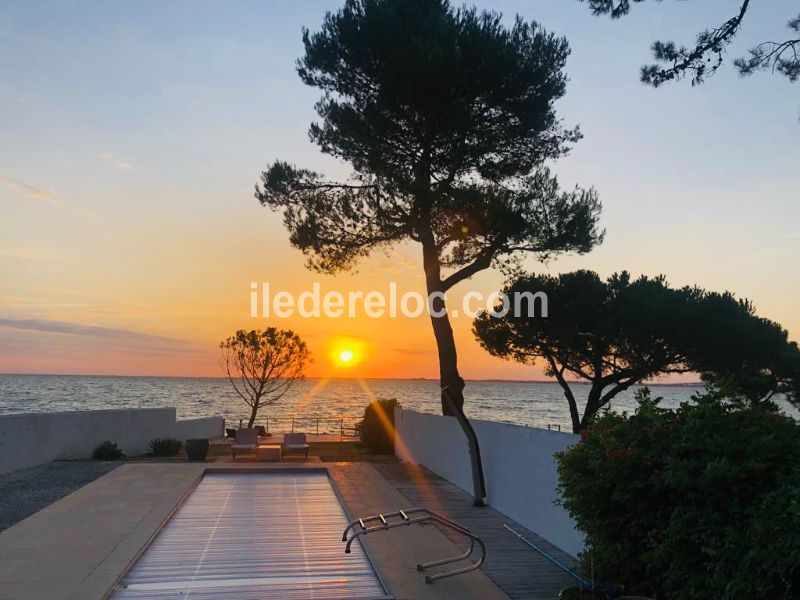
{"type": "Point", "coordinates": [254, 535]}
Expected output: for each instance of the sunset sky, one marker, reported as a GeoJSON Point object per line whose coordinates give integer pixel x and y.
{"type": "Point", "coordinates": [133, 135]}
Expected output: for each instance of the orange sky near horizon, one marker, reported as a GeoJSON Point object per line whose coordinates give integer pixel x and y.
{"type": "Point", "coordinates": [185, 326]}
{"type": "Point", "coordinates": [146, 289]}
{"type": "Point", "coordinates": [132, 140]}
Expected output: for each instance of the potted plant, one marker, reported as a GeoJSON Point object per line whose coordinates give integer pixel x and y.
{"type": "Point", "coordinates": [197, 449]}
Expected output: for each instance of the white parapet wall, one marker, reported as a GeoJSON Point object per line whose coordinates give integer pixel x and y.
{"type": "Point", "coordinates": [518, 465]}
{"type": "Point", "coordinates": [30, 439]}
{"type": "Point", "coordinates": [199, 427]}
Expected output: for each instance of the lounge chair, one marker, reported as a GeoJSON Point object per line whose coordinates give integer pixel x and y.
{"type": "Point", "coordinates": [262, 431]}
{"type": "Point", "coordinates": [295, 443]}
{"type": "Point", "coordinates": [246, 442]}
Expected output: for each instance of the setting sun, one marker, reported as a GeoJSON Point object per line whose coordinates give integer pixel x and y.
{"type": "Point", "coordinates": [345, 352]}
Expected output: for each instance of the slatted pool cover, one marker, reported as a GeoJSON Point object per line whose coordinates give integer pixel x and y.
{"type": "Point", "coordinates": [254, 535]}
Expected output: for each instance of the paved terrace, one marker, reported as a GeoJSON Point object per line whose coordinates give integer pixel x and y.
{"type": "Point", "coordinates": [79, 547]}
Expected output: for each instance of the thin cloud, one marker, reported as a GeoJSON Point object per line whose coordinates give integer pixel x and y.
{"type": "Point", "coordinates": [29, 191]}
{"type": "Point", "coordinates": [25, 190]}
{"type": "Point", "coordinates": [120, 164]}
{"type": "Point", "coordinates": [50, 289]}
{"type": "Point", "coordinates": [410, 350]}
{"type": "Point", "coordinates": [31, 252]}
{"type": "Point", "coordinates": [397, 264]}
{"type": "Point", "coordinates": [67, 328]}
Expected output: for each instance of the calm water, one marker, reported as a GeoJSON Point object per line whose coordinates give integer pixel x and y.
{"type": "Point", "coordinates": [522, 403]}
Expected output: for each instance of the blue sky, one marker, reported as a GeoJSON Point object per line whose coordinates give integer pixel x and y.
{"type": "Point", "coordinates": [133, 134]}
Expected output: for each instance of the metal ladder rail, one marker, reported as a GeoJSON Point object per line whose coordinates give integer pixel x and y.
{"type": "Point", "coordinates": [403, 514]}
{"type": "Point", "coordinates": [406, 521]}
{"type": "Point", "coordinates": [432, 516]}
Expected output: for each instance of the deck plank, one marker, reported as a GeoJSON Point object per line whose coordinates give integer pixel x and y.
{"type": "Point", "coordinates": [516, 568]}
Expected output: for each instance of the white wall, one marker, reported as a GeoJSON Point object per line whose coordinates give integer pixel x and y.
{"type": "Point", "coordinates": [200, 427]}
{"type": "Point", "coordinates": [518, 467]}
{"type": "Point", "coordinates": [34, 438]}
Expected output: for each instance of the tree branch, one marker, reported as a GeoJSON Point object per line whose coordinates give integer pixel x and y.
{"type": "Point", "coordinates": [483, 261]}
{"type": "Point", "coordinates": [709, 42]}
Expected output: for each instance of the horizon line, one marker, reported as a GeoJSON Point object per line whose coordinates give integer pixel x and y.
{"type": "Point", "coordinates": [222, 377]}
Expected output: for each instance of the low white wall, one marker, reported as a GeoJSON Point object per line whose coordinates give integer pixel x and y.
{"type": "Point", "coordinates": [518, 466]}
{"type": "Point", "coordinates": [34, 438]}
{"type": "Point", "coordinates": [200, 427]}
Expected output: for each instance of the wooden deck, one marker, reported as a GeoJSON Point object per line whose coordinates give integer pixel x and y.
{"type": "Point", "coordinates": [516, 568]}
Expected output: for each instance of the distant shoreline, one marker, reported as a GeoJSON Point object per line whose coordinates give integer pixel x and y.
{"type": "Point", "coordinates": [547, 381]}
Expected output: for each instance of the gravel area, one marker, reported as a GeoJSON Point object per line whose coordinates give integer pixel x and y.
{"type": "Point", "coordinates": [27, 491]}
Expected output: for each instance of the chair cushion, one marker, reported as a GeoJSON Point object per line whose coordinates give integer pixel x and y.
{"type": "Point", "coordinates": [246, 436]}
{"type": "Point", "coordinates": [291, 439]}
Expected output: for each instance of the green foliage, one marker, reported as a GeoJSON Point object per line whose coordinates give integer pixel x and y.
{"type": "Point", "coordinates": [165, 446]}
{"type": "Point", "coordinates": [621, 331]}
{"type": "Point", "coordinates": [447, 118]}
{"type": "Point", "coordinates": [262, 365]}
{"type": "Point", "coordinates": [377, 427]}
{"type": "Point", "coordinates": [701, 502]}
{"type": "Point", "coordinates": [108, 451]}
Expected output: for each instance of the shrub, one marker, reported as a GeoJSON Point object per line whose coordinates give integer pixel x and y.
{"type": "Point", "coordinates": [377, 427]}
{"type": "Point", "coordinates": [698, 502]}
{"type": "Point", "coordinates": [165, 446]}
{"type": "Point", "coordinates": [108, 451]}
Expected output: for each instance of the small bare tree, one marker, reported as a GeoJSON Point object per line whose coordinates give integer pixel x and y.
{"type": "Point", "coordinates": [263, 365]}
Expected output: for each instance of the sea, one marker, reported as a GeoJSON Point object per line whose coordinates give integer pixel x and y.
{"type": "Point", "coordinates": [311, 404]}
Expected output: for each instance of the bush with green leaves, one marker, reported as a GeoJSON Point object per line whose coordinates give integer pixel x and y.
{"type": "Point", "coordinates": [699, 502]}
{"type": "Point", "coordinates": [377, 427]}
{"type": "Point", "coordinates": [165, 446]}
{"type": "Point", "coordinates": [108, 451]}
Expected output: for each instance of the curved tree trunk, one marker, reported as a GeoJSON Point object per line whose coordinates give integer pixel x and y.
{"type": "Point", "coordinates": [445, 342]}
{"type": "Point", "coordinates": [449, 376]}
{"type": "Point", "coordinates": [573, 405]}
{"type": "Point", "coordinates": [593, 404]}
{"type": "Point", "coordinates": [451, 382]}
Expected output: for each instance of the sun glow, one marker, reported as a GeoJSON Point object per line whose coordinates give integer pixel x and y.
{"type": "Point", "coordinates": [345, 352]}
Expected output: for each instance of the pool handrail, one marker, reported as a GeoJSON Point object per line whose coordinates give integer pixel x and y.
{"type": "Point", "coordinates": [427, 515]}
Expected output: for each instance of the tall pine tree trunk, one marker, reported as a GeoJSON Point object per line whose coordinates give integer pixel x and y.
{"type": "Point", "coordinates": [451, 382]}
{"type": "Point", "coordinates": [449, 376]}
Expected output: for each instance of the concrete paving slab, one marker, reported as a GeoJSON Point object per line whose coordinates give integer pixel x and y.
{"type": "Point", "coordinates": [83, 542]}
{"type": "Point", "coordinates": [395, 553]}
